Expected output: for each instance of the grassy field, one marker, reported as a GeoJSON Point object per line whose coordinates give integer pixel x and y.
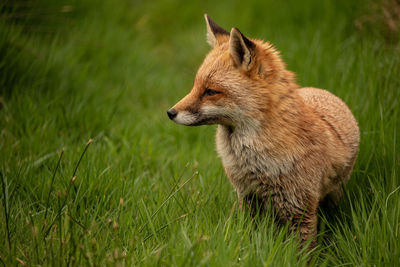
{"type": "Point", "coordinates": [149, 192]}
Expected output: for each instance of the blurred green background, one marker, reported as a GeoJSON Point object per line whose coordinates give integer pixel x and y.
{"type": "Point", "coordinates": [149, 192]}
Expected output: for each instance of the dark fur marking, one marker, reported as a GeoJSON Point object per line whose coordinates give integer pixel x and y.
{"type": "Point", "coordinates": [215, 28]}
{"type": "Point", "coordinates": [239, 50]}
{"type": "Point", "coordinates": [249, 44]}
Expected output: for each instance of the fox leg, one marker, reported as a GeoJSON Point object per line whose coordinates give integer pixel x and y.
{"type": "Point", "coordinates": [240, 200]}
{"type": "Point", "coordinates": [331, 200]}
{"type": "Point", "coordinates": [336, 194]}
{"type": "Point", "coordinates": [252, 203]}
{"type": "Point", "coordinates": [301, 217]}
{"type": "Point", "coordinates": [306, 225]}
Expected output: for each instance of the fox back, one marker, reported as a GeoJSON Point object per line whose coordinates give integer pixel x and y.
{"type": "Point", "coordinates": [281, 145]}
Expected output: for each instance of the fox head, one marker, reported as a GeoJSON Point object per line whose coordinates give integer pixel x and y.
{"type": "Point", "coordinates": [239, 80]}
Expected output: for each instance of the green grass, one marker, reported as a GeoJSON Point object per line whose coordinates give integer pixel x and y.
{"type": "Point", "coordinates": [147, 191]}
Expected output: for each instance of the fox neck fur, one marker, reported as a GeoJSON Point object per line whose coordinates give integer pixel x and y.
{"type": "Point", "coordinates": [265, 149]}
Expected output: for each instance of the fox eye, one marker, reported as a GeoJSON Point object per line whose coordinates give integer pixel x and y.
{"type": "Point", "coordinates": [210, 92]}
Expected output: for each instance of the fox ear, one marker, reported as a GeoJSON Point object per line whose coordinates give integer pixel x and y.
{"type": "Point", "coordinates": [214, 32]}
{"type": "Point", "coordinates": [241, 49]}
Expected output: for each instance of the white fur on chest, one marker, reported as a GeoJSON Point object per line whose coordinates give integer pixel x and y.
{"type": "Point", "coordinates": [249, 161]}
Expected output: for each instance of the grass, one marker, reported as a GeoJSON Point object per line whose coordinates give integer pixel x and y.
{"type": "Point", "coordinates": [149, 192]}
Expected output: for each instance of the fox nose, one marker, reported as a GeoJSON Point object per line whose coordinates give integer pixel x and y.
{"type": "Point", "coordinates": [172, 113]}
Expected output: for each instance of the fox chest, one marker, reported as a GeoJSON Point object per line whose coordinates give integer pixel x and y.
{"type": "Point", "coordinates": [247, 161]}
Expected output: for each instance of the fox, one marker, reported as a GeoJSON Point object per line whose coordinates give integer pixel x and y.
{"type": "Point", "coordinates": [282, 146]}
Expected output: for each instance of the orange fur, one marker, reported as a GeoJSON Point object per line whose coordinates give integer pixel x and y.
{"type": "Point", "coordinates": [287, 146]}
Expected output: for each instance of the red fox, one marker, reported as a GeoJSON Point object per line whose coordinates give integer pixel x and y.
{"type": "Point", "coordinates": [281, 145]}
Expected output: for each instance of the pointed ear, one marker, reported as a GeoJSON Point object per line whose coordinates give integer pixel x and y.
{"type": "Point", "coordinates": [214, 32]}
{"type": "Point", "coordinates": [241, 49]}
